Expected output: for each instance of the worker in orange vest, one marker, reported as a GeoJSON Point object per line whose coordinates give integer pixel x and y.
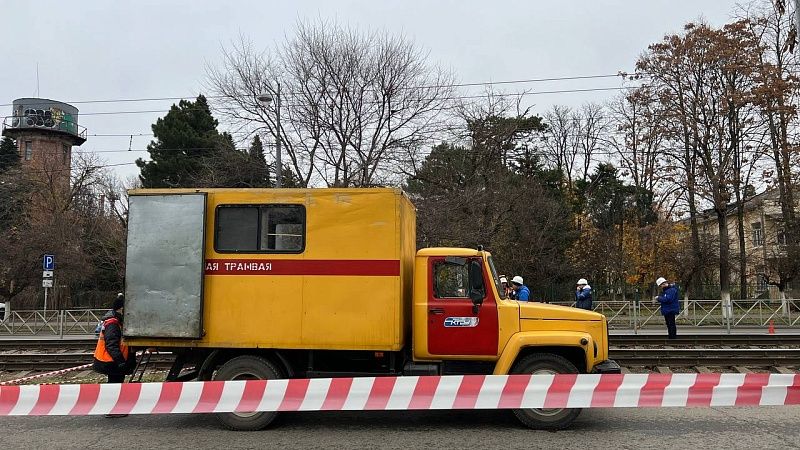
{"type": "Point", "coordinates": [112, 356]}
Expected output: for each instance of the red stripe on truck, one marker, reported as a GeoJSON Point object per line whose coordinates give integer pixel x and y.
{"type": "Point", "coordinates": [351, 267]}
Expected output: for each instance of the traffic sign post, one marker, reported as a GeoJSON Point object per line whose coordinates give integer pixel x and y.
{"type": "Point", "coordinates": [49, 262]}
{"type": "Point", "coordinates": [48, 268]}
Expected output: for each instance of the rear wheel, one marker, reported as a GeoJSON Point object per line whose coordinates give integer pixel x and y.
{"type": "Point", "coordinates": [552, 418]}
{"type": "Point", "coordinates": [247, 368]}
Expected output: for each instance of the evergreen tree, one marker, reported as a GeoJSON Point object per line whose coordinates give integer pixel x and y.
{"type": "Point", "coordinates": [258, 164]}
{"type": "Point", "coordinates": [289, 178]}
{"type": "Point", "coordinates": [9, 155]}
{"type": "Point", "coordinates": [185, 139]}
{"type": "Point", "coordinates": [496, 193]}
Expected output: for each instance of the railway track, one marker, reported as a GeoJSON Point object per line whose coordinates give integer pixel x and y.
{"type": "Point", "coordinates": [45, 362]}
{"type": "Point", "coordinates": [628, 350]}
{"type": "Point", "coordinates": [72, 344]}
{"type": "Point", "coordinates": [699, 340]}
{"type": "Point", "coordinates": [692, 357]}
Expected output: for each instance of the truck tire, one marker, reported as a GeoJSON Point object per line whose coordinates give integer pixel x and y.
{"type": "Point", "coordinates": [247, 367]}
{"type": "Point", "coordinates": [545, 419]}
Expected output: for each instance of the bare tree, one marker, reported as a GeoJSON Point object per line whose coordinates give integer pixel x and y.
{"type": "Point", "coordinates": [703, 77]}
{"type": "Point", "coordinates": [62, 212]}
{"type": "Point", "coordinates": [776, 96]}
{"type": "Point", "coordinates": [561, 143]}
{"type": "Point", "coordinates": [573, 138]}
{"type": "Point", "coordinates": [353, 102]}
{"type": "Point", "coordinates": [638, 140]}
{"type": "Point", "coordinates": [593, 126]}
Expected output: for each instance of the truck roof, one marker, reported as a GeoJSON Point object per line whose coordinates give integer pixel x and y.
{"type": "Point", "coordinates": [448, 251]}
{"type": "Point", "coordinates": [265, 190]}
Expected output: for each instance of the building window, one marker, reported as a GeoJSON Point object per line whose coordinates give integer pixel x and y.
{"type": "Point", "coordinates": [260, 229]}
{"type": "Point", "coordinates": [65, 153]}
{"type": "Point", "coordinates": [781, 237]}
{"type": "Point", "coordinates": [28, 150]}
{"type": "Point", "coordinates": [761, 283]}
{"type": "Point", "coordinates": [758, 234]}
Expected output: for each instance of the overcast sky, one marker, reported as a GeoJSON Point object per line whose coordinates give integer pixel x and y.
{"type": "Point", "coordinates": [96, 50]}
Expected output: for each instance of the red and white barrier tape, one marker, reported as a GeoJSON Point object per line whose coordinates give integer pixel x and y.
{"type": "Point", "coordinates": [42, 375]}
{"type": "Point", "coordinates": [402, 393]}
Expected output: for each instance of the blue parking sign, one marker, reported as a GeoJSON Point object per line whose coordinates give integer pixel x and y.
{"type": "Point", "coordinates": [49, 262]}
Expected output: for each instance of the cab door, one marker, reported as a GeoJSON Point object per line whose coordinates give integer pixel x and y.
{"type": "Point", "coordinates": [454, 326]}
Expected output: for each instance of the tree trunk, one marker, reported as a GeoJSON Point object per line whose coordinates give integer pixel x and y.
{"type": "Point", "coordinates": [724, 264]}
{"type": "Point", "coordinates": [690, 187]}
{"type": "Point", "coordinates": [685, 312]}
{"type": "Point", "coordinates": [784, 302]}
{"type": "Point", "coordinates": [742, 253]}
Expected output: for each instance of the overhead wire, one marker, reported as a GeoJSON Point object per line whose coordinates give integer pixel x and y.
{"type": "Point", "coordinates": [460, 97]}
{"type": "Point", "coordinates": [469, 84]}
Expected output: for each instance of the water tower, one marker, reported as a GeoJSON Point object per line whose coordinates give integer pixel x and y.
{"type": "Point", "coordinates": [45, 131]}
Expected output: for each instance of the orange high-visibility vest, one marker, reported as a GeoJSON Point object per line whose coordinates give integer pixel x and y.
{"type": "Point", "coordinates": [100, 352]}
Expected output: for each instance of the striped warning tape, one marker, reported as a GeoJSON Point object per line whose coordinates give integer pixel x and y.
{"type": "Point", "coordinates": [43, 375]}
{"type": "Point", "coordinates": [401, 393]}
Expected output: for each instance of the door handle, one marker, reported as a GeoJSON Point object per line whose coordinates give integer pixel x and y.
{"type": "Point", "coordinates": [436, 310]}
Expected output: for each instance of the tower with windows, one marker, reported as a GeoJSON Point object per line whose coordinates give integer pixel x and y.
{"type": "Point", "coordinates": [45, 132]}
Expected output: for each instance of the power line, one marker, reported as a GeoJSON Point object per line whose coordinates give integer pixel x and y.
{"type": "Point", "coordinates": [461, 97]}
{"type": "Point", "coordinates": [120, 135]}
{"type": "Point", "coordinates": [140, 150]}
{"type": "Point", "coordinates": [471, 84]}
{"type": "Point", "coordinates": [71, 169]}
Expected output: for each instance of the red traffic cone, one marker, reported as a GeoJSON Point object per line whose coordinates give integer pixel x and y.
{"type": "Point", "coordinates": [771, 327]}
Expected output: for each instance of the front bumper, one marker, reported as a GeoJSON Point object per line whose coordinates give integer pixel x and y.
{"type": "Point", "coordinates": [607, 366]}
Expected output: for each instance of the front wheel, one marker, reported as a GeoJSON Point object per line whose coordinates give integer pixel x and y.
{"type": "Point", "coordinates": [552, 418]}
{"type": "Point", "coordinates": [247, 367]}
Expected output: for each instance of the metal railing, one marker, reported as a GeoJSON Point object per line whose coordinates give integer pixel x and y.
{"type": "Point", "coordinates": [45, 123]}
{"type": "Point", "coordinates": [51, 322]}
{"type": "Point", "coordinates": [621, 314]}
{"type": "Point", "coordinates": [753, 313]}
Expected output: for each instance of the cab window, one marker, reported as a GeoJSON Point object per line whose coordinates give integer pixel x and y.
{"type": "Point", "coordinates": [260, 229]}
{"type": "Point", "coordinates": [450, 280]}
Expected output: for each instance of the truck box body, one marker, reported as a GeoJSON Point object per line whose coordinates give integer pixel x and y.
{"type": "Point", "coordinates": [292, 268]}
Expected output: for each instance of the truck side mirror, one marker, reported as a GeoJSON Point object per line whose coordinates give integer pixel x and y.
{"type": "Point", "coordinates": [477, 291]}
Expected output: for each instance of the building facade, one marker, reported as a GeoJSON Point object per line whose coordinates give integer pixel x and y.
{"type": "Point", "coordinates": [764, 243]}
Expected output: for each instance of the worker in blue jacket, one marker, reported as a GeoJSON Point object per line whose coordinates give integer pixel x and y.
{"type": "Point", "coordinates": [521, 292]}
{"type": "Point", "coordinates": [670, 304]}
{"type": "Point", "coordinates": [583, 295]}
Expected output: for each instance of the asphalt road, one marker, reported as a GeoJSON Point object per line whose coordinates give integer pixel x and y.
{"type": "Point", "coordinates": [730, 428]}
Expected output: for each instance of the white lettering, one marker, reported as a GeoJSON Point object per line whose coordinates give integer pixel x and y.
{"type": "Point", "coordinates": [248, 266]}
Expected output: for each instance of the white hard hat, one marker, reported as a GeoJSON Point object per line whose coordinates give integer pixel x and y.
{"type": "Point", "coordinates": [660, 281]}
{"type": "Point", "coordinates": [503, 280]}
{"type": "Point", "coordinates": [517, 279]}
{"type": "Point", "coordinates": [582, 281]}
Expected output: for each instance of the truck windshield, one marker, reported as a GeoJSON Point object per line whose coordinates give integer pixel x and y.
{"type": "Point", "coordinates": [496, 279]}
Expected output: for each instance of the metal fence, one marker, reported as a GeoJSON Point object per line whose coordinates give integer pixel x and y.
{"type": "Point", "coordinates": [621, 314]}
{"type": "Point", "coordinates": [753, 313]}
{"type": "Point", "coordinates": [51, 322]}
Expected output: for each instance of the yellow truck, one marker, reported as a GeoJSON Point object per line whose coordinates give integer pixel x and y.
{"type": "Point", "coordinates": [301, 283]}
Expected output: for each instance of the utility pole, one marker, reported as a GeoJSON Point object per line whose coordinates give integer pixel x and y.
{"type": "Point", "coordinates": [279, 168]}
{"type": "Point", "coordinates": [265, 99]}
{"type": "Point", "coordinates": [797, 16]}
